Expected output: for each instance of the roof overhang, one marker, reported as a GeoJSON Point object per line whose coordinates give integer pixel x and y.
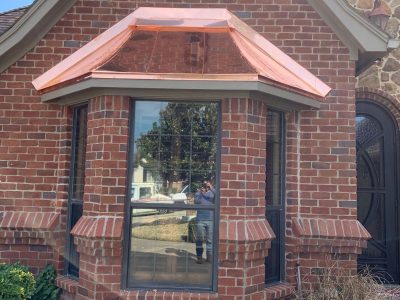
{"type": "Point", "coordinates": [179, 89]}
{"type": "Point", "coordinates": [30, 29]}
{"type": "Point", "coordinates": [366, 41]}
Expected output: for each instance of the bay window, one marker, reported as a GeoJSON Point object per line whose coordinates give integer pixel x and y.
{"type": "Point", "coordinates": [173, 195]}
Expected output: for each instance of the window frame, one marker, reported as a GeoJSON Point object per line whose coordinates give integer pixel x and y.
{"type": "Point", "coordinates": [281, 208]}
{"type": "Point", "coordinates": [71, 199]}
{"type": "Point", "coordinates": [129, 205]}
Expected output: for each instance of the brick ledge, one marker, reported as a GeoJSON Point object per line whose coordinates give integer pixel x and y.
{"type": "Point", "coordinates": [245, 231]}
{"type": "Point", "coordinates": [67, 284]}
{"type": "Point", "coordinates": [329, 228]}
{"type": "Point", "coordinates": [98, 227]}
{"type": "Point", "coordinates": [278, 291]}
{"type": "Point", "coordinates": [24, 220]}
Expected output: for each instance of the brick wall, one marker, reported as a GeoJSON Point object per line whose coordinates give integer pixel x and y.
{"type": "Point", "coordinates": [34, 137]}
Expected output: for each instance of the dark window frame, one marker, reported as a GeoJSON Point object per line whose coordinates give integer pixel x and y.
{"type": "Point", "coordinates": [278, 277]}
{"type": "Point", "coordinates": [129, 205]}
{"type": "Point", "coordinates": [70, 249]}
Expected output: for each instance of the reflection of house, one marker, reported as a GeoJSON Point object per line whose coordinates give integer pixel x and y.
{"type": "Point", "coordinates": [144, 175]}
{"type": "Point", "coordinates": [141, 175]}
{"type": "Point", "coordinates": [205, 65]}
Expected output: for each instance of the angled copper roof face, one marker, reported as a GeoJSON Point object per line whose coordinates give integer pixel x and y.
{"type": "Point", "coordinates": [183, 44]}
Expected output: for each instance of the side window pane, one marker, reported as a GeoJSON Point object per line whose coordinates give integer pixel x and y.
{"type": "Point", "coordinates": [79, 158]}
{"type": "Point", "coordinates": [76, 186]}
{"type": "Point", "coordinates": [173, 195]}
{"type": "Point", "coordinates": [274, 194]}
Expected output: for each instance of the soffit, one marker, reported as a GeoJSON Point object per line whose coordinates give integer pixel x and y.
{"type": "Point", "coordinates": [366, 41]}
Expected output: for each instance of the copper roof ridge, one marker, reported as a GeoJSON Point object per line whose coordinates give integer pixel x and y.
{"type": "Point", "coordinates": [181, 28]}
{"type": "Point", "coordinates": [83, 58]}
{"type": "Point", "coordinates": [260, 71]}
{"type": "Point", "coordinates": [258, 41]}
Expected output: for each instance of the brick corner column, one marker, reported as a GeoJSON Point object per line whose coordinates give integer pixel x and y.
{"type": "Point", "coordinates": [244, 233]}
{"type": "Point", "coordinates": [98, 233]}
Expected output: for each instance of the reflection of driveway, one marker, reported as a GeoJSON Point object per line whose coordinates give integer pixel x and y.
{"type": "Point", "coordinates": [167, 262]}
{"type": "Point", "coordinates": [163, 247]}
{"type": "Point", "coordinates": [151, 218]}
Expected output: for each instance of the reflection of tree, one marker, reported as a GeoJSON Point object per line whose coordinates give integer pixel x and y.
{"type": "Point", "coordinates": [182, 147]}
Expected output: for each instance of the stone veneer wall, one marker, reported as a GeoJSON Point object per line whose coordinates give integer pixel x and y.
{"type": "Point", "coordinates": [383, 77]}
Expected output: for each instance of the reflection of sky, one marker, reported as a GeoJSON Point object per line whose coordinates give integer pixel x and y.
{"type": "Point", "coordinates": [359, 118]}
{"type": "Point", "coordinates": [147, 113]}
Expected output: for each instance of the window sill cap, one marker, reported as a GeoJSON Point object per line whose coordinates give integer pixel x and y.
{"type": "Point", "coordinates": [67, 284]}
{"type": "Point", "coordinates": [279, 290]}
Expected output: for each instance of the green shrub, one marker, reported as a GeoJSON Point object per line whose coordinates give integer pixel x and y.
{"type": "Point", "coordinates": [45, 285]}
{"type": "Point", "coordinates": [16, 282]}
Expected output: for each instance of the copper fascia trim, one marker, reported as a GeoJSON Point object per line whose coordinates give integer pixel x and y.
{"type": "Point", "coordinates": [175, 76]}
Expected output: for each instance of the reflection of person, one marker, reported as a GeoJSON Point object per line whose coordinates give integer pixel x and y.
{"type": "Point", "coordinates": [204, 221]}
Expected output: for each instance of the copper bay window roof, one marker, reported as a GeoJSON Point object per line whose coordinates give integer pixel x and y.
{"type": "Point", "coordinates": [183, 45]}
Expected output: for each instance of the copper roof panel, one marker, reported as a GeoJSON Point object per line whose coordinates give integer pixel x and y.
{"type": "Point", "coordinates": [179, 52]}
{"type": "Point", "coordinates": [134, 55]}
{"type": "Point", "coordinates": [183, 44]}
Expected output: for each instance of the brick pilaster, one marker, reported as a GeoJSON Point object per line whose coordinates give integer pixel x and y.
{"type": "Point", "coordinates": [245, 235]}
{"type": "Point", "coordinates": [98, 233]}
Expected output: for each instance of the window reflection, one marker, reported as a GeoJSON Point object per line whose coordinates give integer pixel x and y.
{"type": "Point", "coordinates": [174, 151]}
{"type": "Point", "coordinates": [163, 251]}
{"type": "Point", "coordinates": [173, 195]}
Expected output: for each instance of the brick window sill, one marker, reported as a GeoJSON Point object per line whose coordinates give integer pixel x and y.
{"type": "Point", "coordinates": [278, 291]}
{"type": "Point", "coordinates": [67, 284]}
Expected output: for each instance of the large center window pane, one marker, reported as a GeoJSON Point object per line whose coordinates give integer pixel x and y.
{"type": "Point", "coordinates": [173, 195]}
